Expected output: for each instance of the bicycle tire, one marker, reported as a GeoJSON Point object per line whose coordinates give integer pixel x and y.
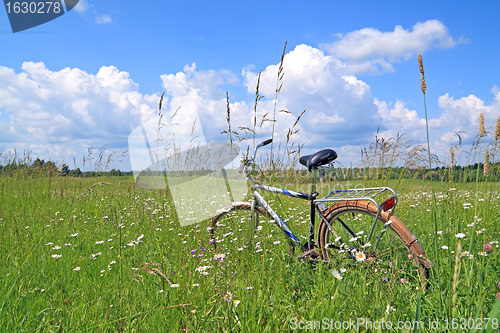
{"type": "Point", "coordinates": [384, 254]}
{"type": "Point", "coordinates": [231, 222]}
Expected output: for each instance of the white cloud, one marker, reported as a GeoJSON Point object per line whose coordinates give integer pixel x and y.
{"type": "Point", "coordinates": [90, 12]}
{"type": "Point", "coordinates": [340, 108]}
{"type": "Point", "coordinates": [70, 109]}
{"type": "Point", "coordinates": [59, 112]}
{"type": "Point", "coordinates": [103, 19]}
{"type": "Point", "coordinates": [457, 116]}
{"type": "Point", "coordinates": [82, 6]}
{"type": "Point", "coordinates": [371, 50]}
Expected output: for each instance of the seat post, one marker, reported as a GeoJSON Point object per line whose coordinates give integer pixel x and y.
{"type": "Point", "coordinates": [313, 184]}
{"type": "Point", "coordinates": [313, 211]}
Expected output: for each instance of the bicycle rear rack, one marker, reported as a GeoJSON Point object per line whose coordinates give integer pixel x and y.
{"type": "Point", "coordinates": [367, 194]}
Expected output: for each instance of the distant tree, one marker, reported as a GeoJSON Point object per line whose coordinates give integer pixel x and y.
{"type": "Point", "coordinates": [76, 172]}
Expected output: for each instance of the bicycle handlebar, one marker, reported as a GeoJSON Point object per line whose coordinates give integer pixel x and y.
{"type": "Point", "coordinates": [262, 144]}
{"type": "Point", "coordinates": [265, 143]}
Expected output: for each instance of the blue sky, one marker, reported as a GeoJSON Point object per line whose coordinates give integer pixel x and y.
{"type": "Point", "coordinates": [88, 78]}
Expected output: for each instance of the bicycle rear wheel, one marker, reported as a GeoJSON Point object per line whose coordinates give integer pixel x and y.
{"type": "Point", "coordinates": [231, 229]}
{"type": "Point", "coordinates": [392, 251]}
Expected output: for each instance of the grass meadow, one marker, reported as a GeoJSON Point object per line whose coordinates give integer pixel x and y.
{"type": "Point", "coordinates": [115, 259]}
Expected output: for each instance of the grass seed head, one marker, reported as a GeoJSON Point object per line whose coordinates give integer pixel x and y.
{"type": "Point", "coordinates": [497, 130]}
{"type": "Point", "coordinates": [422, 72]}
{"type": "Point", "coordinates": [482, 131]}
{"type": "Point", "coordinates": [486, 169]}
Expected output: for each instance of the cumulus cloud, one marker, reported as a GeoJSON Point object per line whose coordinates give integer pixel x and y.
{"type": "Point", "coordinates": [456, 116]}
{"type": "Point", "coordinates": [371, 50]}
{"type": "Point", "coordinates": [70, 107]}
{"type": "Point", "coordinates": [340, 108]}
{"type": "Point", "coordinates": [59, 112]}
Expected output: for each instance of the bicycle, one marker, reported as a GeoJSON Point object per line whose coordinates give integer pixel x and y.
{"type": "Point", "coordinates": [354, 229]}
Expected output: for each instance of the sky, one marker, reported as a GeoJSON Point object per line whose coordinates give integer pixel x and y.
{"type": "Point", "coordinates": [87, 79]}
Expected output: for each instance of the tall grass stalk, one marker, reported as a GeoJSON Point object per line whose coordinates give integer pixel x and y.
{"type": "Point", "coordinates": [279, 85]}
{"type": "Point", "coordinates": [455, 280]}
{"type": "Point", "coordinates": [434, 213]}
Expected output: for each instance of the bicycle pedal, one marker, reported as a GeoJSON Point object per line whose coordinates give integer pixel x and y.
{"type": "Point", "coordinates": [311, 254]}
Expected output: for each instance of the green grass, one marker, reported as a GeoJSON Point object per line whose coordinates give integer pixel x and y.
{"type": "Point", "coordinates": [129, 248]}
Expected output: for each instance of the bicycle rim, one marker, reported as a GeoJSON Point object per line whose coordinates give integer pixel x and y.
{"type": "Point", "coordinates": [232, 229]}
{"type": "Point", "coordinates": [392, 252]}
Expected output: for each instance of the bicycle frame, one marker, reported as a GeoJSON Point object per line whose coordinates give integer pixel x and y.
{"type": "Point", "coordinates": [318, 205]}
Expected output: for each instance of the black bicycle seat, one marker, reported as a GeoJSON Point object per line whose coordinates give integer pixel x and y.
{"type": "Point", "coordinates": [317, 159]}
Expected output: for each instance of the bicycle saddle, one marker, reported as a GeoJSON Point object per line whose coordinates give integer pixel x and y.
{"type": "Point", "coordinates": [317, 159]}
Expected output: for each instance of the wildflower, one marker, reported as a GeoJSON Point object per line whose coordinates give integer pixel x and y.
{"type": "Point", "coordinates": [360, 256]}
{"type": "Point", "coordinates": [250, 288]}
{"type": "Point", "coordinates": [49, 243]}
{"type": "Point", "coordinates": [444, 247]}
{"type": "Point", "coordinates": [389, 308]}
{"type": "Point", "coordinates": [228, 297]}
{"type": "Point", "coordinates": [220, 257]}
{"type": "Point", "coordinates": [488, 247]}
{"type": "Point", "coordinates": [67, 244]}
{"type": "Point", "coordinates": [95, 255]}
{"type": "Point", "coordinates": [175, 285]}
{"type": "Point", "coordinates": [74, 235]}
{"type": "Point", "coordinates": [460, 235]}
{"type": "Point", "coordinates": [56, 256]}
{"type": "Point", "coordinates": [482, 253]}
{"type": "Point", "coordinates": [259, 228]}
{"type": "Point", "coordinates": [57, 247]}
{"type": "Point", "coordinates": [336, 274]}
{"type": "Point", "coordinates": [196, 285]}
{"type": "Point", "coordinates": [236, 303]}
{"type": "Point", "coordinates": [276, 242]}
{"type": "Point", "coordinates": [76, 269]}
{"type": "Point", "coordinates": [410, 256]}
{"type": "Point", "coordinates": [204, 273]}
{"type": "Point", "coordinates": [99, 242]}
{"type": "Point", "coordinates": [193, 311]}
{"type": "Point", "coordinates": [160, 291]}
{"type": "Point", "coordinates": [403, 280]}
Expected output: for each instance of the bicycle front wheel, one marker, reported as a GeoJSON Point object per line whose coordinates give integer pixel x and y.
{"type": "Point", "coordinates": [353, 236]}
{"type": "Point", "coordinates": [233, 229]}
